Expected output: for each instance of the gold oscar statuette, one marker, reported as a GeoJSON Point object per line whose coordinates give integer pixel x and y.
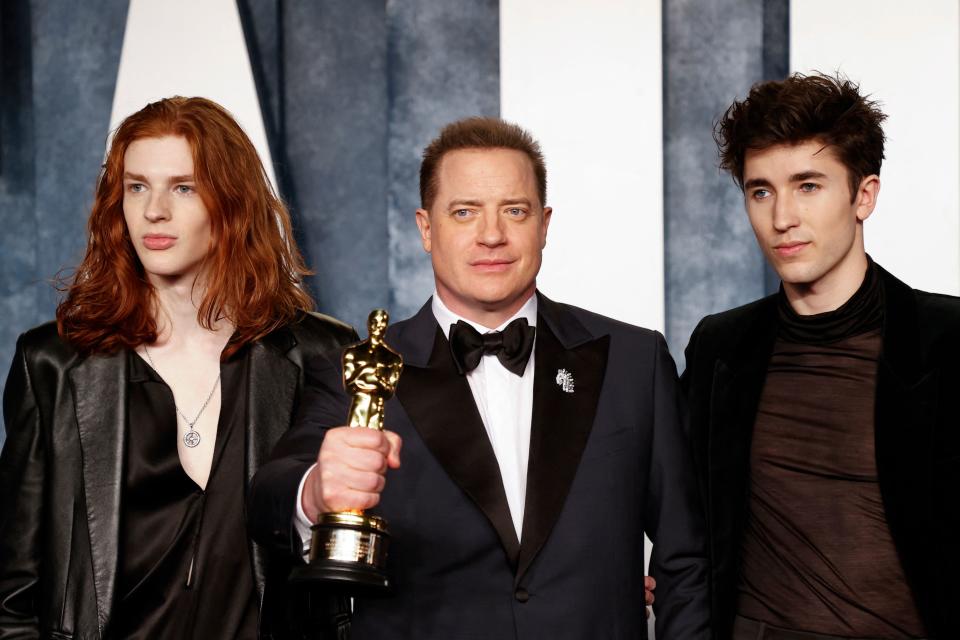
{"type": "Point", "coordinates": [348, 549]}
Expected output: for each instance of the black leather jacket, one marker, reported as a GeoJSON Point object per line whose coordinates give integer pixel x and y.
{"type": "Point", "coordinates": [61, 472]}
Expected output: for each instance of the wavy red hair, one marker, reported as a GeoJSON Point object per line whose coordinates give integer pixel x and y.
{"type": "Point", "coordinates": [253, 273]}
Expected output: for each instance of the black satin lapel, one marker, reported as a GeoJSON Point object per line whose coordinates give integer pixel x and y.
{"type": "Point", "coordinates": [559, 430]}
{"type": "Point", "coordinates": [440, 404]}
{"type": "Point", "coordinates": [100, 399]}
{"type": "Point", "coordinates": [271, 393]}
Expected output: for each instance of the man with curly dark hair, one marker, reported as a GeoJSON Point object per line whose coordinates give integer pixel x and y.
{"type": "Point", "coordinates": [828, 452]}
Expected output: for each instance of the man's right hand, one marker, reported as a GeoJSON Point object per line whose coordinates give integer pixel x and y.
{"type": "Point", "coordinates": [351, 470]}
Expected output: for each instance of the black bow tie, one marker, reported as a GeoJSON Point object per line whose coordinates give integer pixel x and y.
{"type": "Point", "coordinates": [512, 346]}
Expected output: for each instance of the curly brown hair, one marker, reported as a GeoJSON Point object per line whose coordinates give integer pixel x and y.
{"type": "Point", "coordinates": [820, 107]}
{"type": "Point", "coordinates": [255, 271]}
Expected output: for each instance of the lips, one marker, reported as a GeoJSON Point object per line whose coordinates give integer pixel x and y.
{"type": "Point", "coordinates": [157, 242]}
{"type": "Point", "coordinates": [788, 249]}
{"type": "Point", "coordinates": [493, 265]}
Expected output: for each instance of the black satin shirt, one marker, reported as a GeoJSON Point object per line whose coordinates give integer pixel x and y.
{"type": "Point", "coordinates": [184, 569]}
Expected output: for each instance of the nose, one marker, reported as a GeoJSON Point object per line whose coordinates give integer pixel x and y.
{"type": "Point", "coordinates": [785, 214]}
{"type": "Point", "coordinates": [158, 206]}
{"type": "Point", "coordinates": [491, 229]}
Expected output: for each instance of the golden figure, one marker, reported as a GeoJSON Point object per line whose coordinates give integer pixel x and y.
{"type": "Point", "coordinates": [348, 549]}
{"type": "Point", "coordinates": [371, 371]}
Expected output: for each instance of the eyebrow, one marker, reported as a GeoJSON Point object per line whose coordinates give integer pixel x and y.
{"type": "Point", "coordinates": [803, 176]}
{"type": "Point", "coordinates": [756, 182]}
{"type": "Point", "coordinates": [806, 175]}
{"type": "Point", "coordinates": [465, 203]}
{"type": "Point", "coordinates": [478, 203]}
{"type": "Point", "coordinates": [187, 177]}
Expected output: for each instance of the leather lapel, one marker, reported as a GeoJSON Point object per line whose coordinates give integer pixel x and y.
{"type": "Point", "coordinates": [738, 380]}
{"type": "Point", "coordinates": [440, 405]}
{"type": "Point", "coordinates": [560, 424]}
{"type": "Point", "coordinates": [272, 382]}
{"type": "Point", "coordinates": [100, 400]}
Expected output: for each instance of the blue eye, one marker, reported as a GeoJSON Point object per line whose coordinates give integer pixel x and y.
{"type": "Point", "coordinates": [516, 212]}
{"type": "Point", "coordinates": [183, 188]}
{"type": "Point", "coordinates": [760, 194]}
{"type": "Point", "coordinates": [809, 186]}
{"type": "Point", "coordinates": [461, 213]}
{"type": "Point", "coordinates": [136, 187]}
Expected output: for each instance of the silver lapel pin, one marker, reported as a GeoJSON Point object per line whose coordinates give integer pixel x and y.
{"type": "Point", "coordinates": [565, 380]}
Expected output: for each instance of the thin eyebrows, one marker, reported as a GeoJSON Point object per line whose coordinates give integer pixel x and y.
{"type": "Point", "coordinates": [187, 177]}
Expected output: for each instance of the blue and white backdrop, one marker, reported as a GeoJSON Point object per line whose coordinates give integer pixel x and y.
{"type": "Point", "coordinates": [340, 96]}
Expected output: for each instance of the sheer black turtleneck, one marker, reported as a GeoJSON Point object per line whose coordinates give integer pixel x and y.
{"type": "Point", "coordinates": [817, 554]}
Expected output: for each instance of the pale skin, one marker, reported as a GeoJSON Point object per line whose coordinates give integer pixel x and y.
{"type": "Point", "coordinates": [170, 229]}
{"type": "Point", "coordinates": [810, 229]}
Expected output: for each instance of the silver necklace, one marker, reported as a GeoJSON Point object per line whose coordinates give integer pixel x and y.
{"type": "Point", "coordinates": [192, 437]}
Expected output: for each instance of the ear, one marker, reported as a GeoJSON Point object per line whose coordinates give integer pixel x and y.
{"type": "Point", "coordinates": [423, 223]}
{"type": "Point", "coordinates": [547, 215]}
{"type": "Point", "coordinates": [866, 198]}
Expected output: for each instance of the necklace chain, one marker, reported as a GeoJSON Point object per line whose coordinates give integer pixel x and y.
{"type": "Point", "coordinates": [192, 437]}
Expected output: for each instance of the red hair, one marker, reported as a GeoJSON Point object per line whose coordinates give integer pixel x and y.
{"type": "Point", "coordinates": [253, 273]}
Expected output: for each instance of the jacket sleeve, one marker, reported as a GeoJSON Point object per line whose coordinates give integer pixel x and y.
{"type": "Point", "coordinates": [271, 502]}
{"type": "Point", "coordinates": [21, 501]}
{"type": "Point", "coordinates": [675, 516]}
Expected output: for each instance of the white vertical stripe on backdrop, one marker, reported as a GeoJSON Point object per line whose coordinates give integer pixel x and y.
{"type": "Point", "coordinates": [586, 80]}
{"type": "Point", "coordinates": [187, 48]}
{"type": "Point", "coordinates": [907, 55]}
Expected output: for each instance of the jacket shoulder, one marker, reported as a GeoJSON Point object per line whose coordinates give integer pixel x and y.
{"type": "Point", "coordinates": [599, 324]}
{"type": "Point", "coordinates": [729, 324]}
{"type": "Point", "coordinates": [43, 342]}
{"type": "Point", "coordinates": [939, 307]}
{"type": "Point", "coordinates": [317, 332]}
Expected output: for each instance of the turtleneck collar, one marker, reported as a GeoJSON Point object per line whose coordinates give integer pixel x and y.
{"type": "Point", "coordinates": [863, 312]}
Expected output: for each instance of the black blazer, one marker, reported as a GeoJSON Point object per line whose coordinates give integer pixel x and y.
{"type": "Point", "coordinates": [917, 440]}
{"type": "Point", "coordinates": [61, 466]}
{"type": "Point", "coordinates": [607, 462]}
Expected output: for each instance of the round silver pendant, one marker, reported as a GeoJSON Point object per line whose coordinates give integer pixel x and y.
{"type": "Point", "coordinates": [191, 438]}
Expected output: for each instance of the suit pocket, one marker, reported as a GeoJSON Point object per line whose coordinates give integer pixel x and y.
{"type": "Point", "coordinates": [57, 635]}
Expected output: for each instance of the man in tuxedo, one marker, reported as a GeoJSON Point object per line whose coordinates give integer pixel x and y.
{"type": "Point", "coordinates": [826, 443]}
{"type": "Point", "coordinates": [540, 441]}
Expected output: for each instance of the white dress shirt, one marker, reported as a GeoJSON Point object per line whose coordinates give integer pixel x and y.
{"type": "Point", "coordinates": [505, 403]}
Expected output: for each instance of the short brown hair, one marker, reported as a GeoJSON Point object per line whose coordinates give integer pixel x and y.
{"type": "Point", "coordinates": [479, 133]}
{"type": "Point", "coordinates": [801, 108]}
{"type": "Point", "coordinates": [255, 269]}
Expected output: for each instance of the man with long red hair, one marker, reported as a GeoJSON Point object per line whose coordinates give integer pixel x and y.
{"type": "Point", "coordinates": [135, 421]}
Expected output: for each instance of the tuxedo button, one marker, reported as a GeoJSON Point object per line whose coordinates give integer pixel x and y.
{"type": "Point", "coordinates": [521, 595]}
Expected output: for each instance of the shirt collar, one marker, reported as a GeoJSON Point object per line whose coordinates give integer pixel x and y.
{"type": "Point", "coordinates": [446, 318]}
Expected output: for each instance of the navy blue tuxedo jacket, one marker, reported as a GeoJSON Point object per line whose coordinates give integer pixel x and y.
{"type": "Point", "coordinates": [607, 463]}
